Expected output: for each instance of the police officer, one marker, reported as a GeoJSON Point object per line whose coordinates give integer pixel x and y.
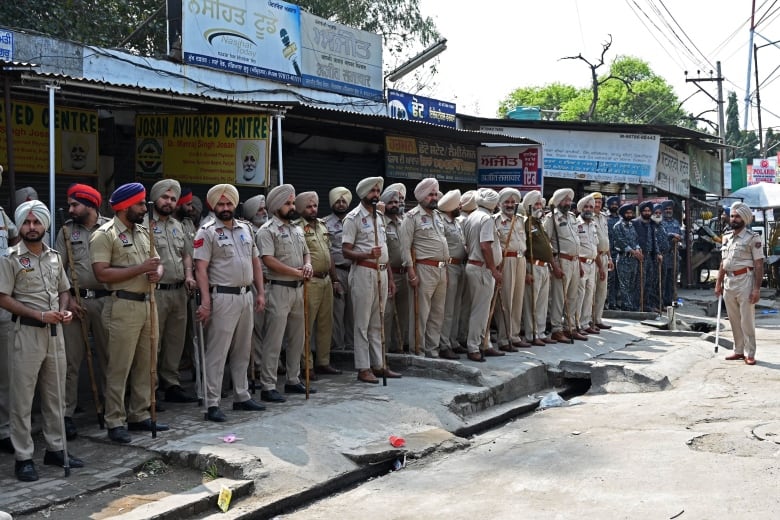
{"type": "Point", "coordinates": [343, 316]}
{"type": "Point", "coordinates": [510, 314]}
{"type": "Point", "coordinates": [397, 313]}
{"type": "Point", "coordinates": [171, 296]}
{"type": "Point", "coordinates": [83, 204]}
{"type": "Point", "coordinates": [120, 254]}
{"type": "Point", "coordinates": [613, 205]}
{"type": "Point", "coordinates": [625, 244]}
{"type": "Point", "coordinates": [605, 258]}
{"type": "Point", "coordinates": [482, 271]}
{"type": "Point", "coordinates": [739, 280]}
{"type": "Point", "coordinates": [425, 254]}
{"type": "Point", "coordinates": [368, 280]}
{"type": "Point", "coordinates": [256, 214]}
{"type": "Point", "coordinates": [227, 264]}
{"type": "Point", "coordinates": [320, 285]}
{"type": "Point", "coordinates": [560, 226]}
{"type": "Point", "coordinates": [590, 265]}
{"type": "Point", "coordinates": [34, 287]}
{"type": "Point", "coordinates": [652, 241]}
{"type": "Point", "coordinates": [539, 261]}
{"type": "Point", "coordinates": [674, 235]}
{"type": "Point", "coordinates": [9, 235]}
{"type": "Point", "coordinates": [468, 205]}
{"type": "Point", "coordinates": [449, 205]}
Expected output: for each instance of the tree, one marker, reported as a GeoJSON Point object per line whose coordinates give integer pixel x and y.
{"type": "Point", "coordinates": [550, 98]}
{"type": "Point", "coordinates": [741, 144]}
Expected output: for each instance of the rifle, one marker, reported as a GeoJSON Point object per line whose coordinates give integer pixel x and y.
{"type": "Point", "coordinates": [153, 334]}
{"type": "Point", "coordinates": [381, 305]}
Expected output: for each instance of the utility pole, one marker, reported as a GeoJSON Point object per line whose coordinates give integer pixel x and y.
{"type": "Point", "coordinates": [719, 100]}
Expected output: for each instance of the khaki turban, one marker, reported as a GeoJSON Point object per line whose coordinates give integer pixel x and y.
{"type": "Point", "coordinates": [531, 198]}
{"type": "Point", "coordinates": [742, 209]}
{"type": "Point", "coordinates": [222, 190]}
{"type": "Point", "coordinates": [506, 193]}
{"type": "Point", "coordinates": [450, 201]}
{"type": "Point", "coordinates": [162, 186]}
{"type": "Point", "coordinates": [487, 198]}
{"type": "Point", "coordinates": [197, 204]}
{"type": "Point", "coordinates": [597, 195]}
{"type": "Point", "coordinates": [561, 194]}
{"type": "Point", "coordinates": [468, 201]}
{"type": "Point", "coordinates": [35, 207]}
{"type": "Point", "coordinates": [337, 193]}
{"type": "Point", "coordinates": [252, 205]}
{"type": "Point", "coordinates": [302, 200]}
{"type": "Point", "coordinates": [585, 200]}
{"type": "Point", "coordinates": [367, 184]}
{"type": "Point", "coordinates": [278, 196]}
{"type": "Point", "coordinates": [424, 187]}
{"type": "Point", "coordinates": [399, 187]}
{"type": "Point", "coordinates": [25, 194]}
{"type": "Point", "coordinates": [389, 193]}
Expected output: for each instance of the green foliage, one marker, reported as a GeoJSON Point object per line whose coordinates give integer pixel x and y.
{"type": "Point", "coordinates": [552, 97]}
{"type": "Point", "coordinates": [211, 473]}
{"type": "Point", "coordinates": [742, 144]}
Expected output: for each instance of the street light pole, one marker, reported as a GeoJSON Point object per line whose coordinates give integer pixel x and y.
{"type": "Point", "coordinates": [758, 105]}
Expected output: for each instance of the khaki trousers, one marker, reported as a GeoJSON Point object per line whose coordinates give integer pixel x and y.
{"type": "Point", "coordinates": [228, 338]}
{"type": "Point", "coordinates": [6, 360]}
{"type": "Point", "coordinates": [368, 303]}
{"type": "Point", "coordinates": [736, 295]}
{"type": "Point", "coordinates": [600, 299]}
{"type": "Point", "coordinates": [128, 356]}
{"type": "Point", "coordinates": [511, 305]}
{"type": "Point", "coordinates": [343, 315]}
{"type": "Point", "coordinates": [585, 291]}
{"type": "Point", "coordinates": [431, 294]}
{"type": "Point", "coordinates": [172, 321]}
{"type": "Point", "coordinates": [564, 288]}
{"type": "Point", "coordinates": [257, 336]}
{"type": "Point", "coordinates": [456, 283]}
{"type": "Point", "coordinates": [320, 302]}
{"type": "Point", "coordinates": [397, 315]}
{"type": "Point", "coordinates": [283, 320]}
{"type": "Point", "coordinates": [535, 298]}
{"type": "Point", "coordinates": [75, 349]}
{"type": "Point", "coordinates": [481, 285]}
{"type": "Point", "coordinates": [37, 356]}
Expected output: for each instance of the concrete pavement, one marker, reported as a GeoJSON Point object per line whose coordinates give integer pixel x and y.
{"type": "Point", "coordinates": [300, 450]}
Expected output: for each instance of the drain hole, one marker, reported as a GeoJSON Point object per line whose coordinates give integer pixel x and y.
{"type": "Point", "coordinates": [574, 386]}
{"type": "Point", "coordinates": [702, 326]}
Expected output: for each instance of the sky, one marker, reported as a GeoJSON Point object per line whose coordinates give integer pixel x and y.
{"type": "Point", "coordinates": [496, 46]}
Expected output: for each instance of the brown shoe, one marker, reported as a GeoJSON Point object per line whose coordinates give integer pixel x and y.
{"type": "Point", "coordinates": [577, 335]}
{"type": "Point", "coordinates": [378, 372]}
{"type": "Point", "coordinates": [448, 354]}
{"type": "Point", "coordinates": [603, 326]}
{"type": "Point", "coordinates": [460, 350]}
{"type": "Point", "coordinates": [491, 352]}
{"type": "Point", "coordinates": [750, 361]}
{"type": "Point", "coordinates": [367, 377]}
{"type": "Point", "coordinates": [521, 344]}
{"type": "Point", "coordinates": [327, 370]}
{"type": "Point", "coordinates": [560, 337]}
{"type": "Point", "coordinates": [475, 356]}
{"type": "Point", "coordinates": [507, 348]}
{"type": "Point", "coordinates": [735, 357]}
{"type": "Point", "coordinates": [539, 342]}
{"type": "Point", "coordinates": [312, 374]}
{"type": "Point", "coordinates": [592, 330]}
{"type": "Point", "coordinates": [550, 341]}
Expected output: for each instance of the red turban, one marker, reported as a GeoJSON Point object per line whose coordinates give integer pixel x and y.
{"type": "Point", "coordinates": [85, 194]}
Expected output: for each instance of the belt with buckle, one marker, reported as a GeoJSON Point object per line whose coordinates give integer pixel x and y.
{"type": "Point", "coordinates": [567, 257]}
{"type": "Point", "coordinates": [132, 296]}
{"type": "Point", "coordinates": [510, 254]}
{"type": "Point", "coordinates": [226, 289]}
{"type": "Point", "coordinates": [322, 275]}
{"type": "Point", "coordinates": [432, 263]}
{"type": "Point", "coordinates": [90, 294]}
{"type": "Point", "coordinates": [371, 265]}
{"type": "Point", "coordinates": [540, 263]}
{"type": "Point", "coordinates": [170, 286]}
{"type": "Point", "coordinates": [586, 260]}
{"type": "Point", "coordinates": [30, 322]}
{"type": "Point", "coordinates": [398, 270]}
{"type": "Point", "coordinates": [740, 271]}
{"type": "Point", "coordinates": [294, 284]}
{"type": "Point", "coordinates": [456, 261]}
{"type": "Point", "coordinates": [343, 267]}
{"type": "Point", "coordinates": [478, 263]}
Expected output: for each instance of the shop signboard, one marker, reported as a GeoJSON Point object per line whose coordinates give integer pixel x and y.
{"type": "Point", "coordinates": [417, 158]}
{"type": "Point", "coordinates": [764, 170]}
{"type": "Point", "coordinates": [673, 172]}
{"type": "Point", "coordinates": [706, 171]}
{"type": "Point", "coordinates": [515, 166]}
{"type": "Point", "coordinates": [401, 105]}
{"type": "Point", "coordinates": [6, 45]}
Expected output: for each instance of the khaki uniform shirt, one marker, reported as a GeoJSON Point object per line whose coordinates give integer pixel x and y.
{"type": "Point", "coordinates": [79, 244]}
{"type": "Point", "coordinates": [393, 228]}
{"type": "Point", "coordinates": [172, 245]}
{"type": "Point", "coordinates": [189, 230]}
{"type": "Point", "coordinates": [482, 228]}
{"type": "Point", "coordinates": [562, 230]}
{"type": "Point", "coordinates": [119, 246]}
{"type": "Point", "coordinates": [228, 251]}
{"type": "Point", "coordinates": [741, 250]}
{"type": "Point", "coordinates": [424, 233]}
{"type": "Point", "coordinates": [7, 231]}
{"type": "Point", "coordinates": [317, 242]}
{"type": "Point", "coordinates": [587, 234]}
{"type": "Point", "coordinates": [359, 231]}
{"type": "Point", "coordinates": [517, 241]}
{"type": "Point", "coordinates": [286, 243]}
{"type": "Point", "coordinates": [456, 243]}
{"type": "Point", "coordinates": [602, 232]}
{"type": "Point", "coordinates": [35, 281]}
{"type": "Point", "coordinates": [335, 231]}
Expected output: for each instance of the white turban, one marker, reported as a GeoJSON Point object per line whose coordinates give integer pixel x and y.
{"type": "Point", "coordinates": [506, 193]}
{"type": "Point", "coordinates": [424, 187]}
{"type": "Point", "coordinates": [487, 198]}
{"type": "Point", "coordinates": [531, 198]}
{"type": "Point", "coordinates": [743, 210]}
{"type": "Point", "coordinates": [302, 200]}
{"type": "Point", "coordinates": [399, 187]}
{"type": "Point", "coordinates": [561, 194]}
{"type": "Point", "coordinates": [339, 192]}
{"type": "Point", "coordinates": [389, 193]}
{"type": "Point", "coordinates": [35, 207]}
{"type": "Point", "coordinates": [367, 184]}
{"type": "Point", "coordinates": [450, 201]}
{"type": "Point", "coordinates": [252, 205]}
{"type": "Point", "coordinates": [585, 200]}
{"type": "Point", "coordinates": [278, 196]}
{"type": "Point", "coordinates": [468, 201]}
{"type": "Point", "coordinates": [217, 192]}
{"type": "Point", "coordinates": [164, 185]}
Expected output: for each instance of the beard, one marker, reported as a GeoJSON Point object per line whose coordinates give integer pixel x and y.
{"type": "Point", "coordinates": [455, 213]}
{"type": "Point", "coordinates": [291, 215]}
{"type": "Point", "coordinates": [33, 236]}
{"type": "Point", "coordinates": [395, 210]}
{"type": "Point", "coordinates": [538, 213]}
{"type": "Point", "coordinates": [433, 204]}
{"type": "Point", "coordinates": [737, 225]}
{"type": "Point", "coordinates": [370, 201]}
{"type": "Point", "coordinates": [79, 219]}
{"type": "Point", "coordinates": [136, 217]}
{"type": "Point", "coordinates": [259, 221]}
{"type": "Point", "coordinates": [164, 210]}
{"type": "Point", "coordinates": [226, 215]}
{"type": "Point", "coordinates": [564, 208]}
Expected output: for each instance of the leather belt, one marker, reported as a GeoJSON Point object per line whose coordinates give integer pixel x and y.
{"type": "Point", "coordinates": [586, 260]}
{"type": "Point", "coordinates": [432, 263]}
{"type": "Point", "coordinates": [398, 270]}
{"type": "Point", "coordinates": [740, 271]}
{"type": "Point", "coordinates": [170, 286]}
{"type": "Point", "coordinates": [604, 252]}
{"type": "Point", "coordinates": [567, 257]}
{"type": "Point", "coordinates": [478, 263]}
{"type": "Point", "coordinates": [90, 294]}
{"type": "Point", "coordinates": [510, 254]}
{"type": "Point", "coordinates": [287, 283]}
{"type": "Point", "coordinates": [133, 296]}
{"type": "Point", "coordinates": [540, 263]}
{"type": "Point", "coordinates": [226, 289]}
{"type": "Point", "coordinates": [30, 322]}
{"type": "Point", "coordinates": [371, 265]}
{"type": "Point", "coordinates": [322, 275]}
{"type": "Point", "coordinates": [456, 261]}
{"type": "Point", "coordinates": [343, 267]}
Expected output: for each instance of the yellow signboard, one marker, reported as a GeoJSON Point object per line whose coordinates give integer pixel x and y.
{"type": "Point", "coordinates": [76, 138]}
{"type": "Point", "coordinates": [204, 148]}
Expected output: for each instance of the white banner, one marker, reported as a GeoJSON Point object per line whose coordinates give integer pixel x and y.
{"type": "Point", "coordinates": [673, 171]}
{"type": "Point", "coordinates": [764, 170]}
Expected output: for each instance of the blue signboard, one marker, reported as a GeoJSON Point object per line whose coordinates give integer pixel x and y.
{"type": "Point", "coordinates": [401, 105]}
